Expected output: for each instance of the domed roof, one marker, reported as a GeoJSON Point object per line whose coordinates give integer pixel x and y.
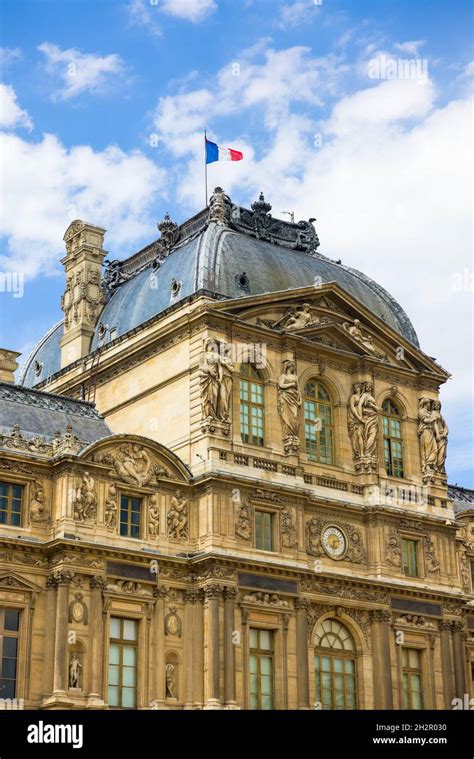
{"type": "Point", "coordinates": [229, 252]}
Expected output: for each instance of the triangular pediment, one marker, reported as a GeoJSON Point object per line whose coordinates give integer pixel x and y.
{"type": "Point", "coordinates": [329, 315]}
{"type": "Point", "coordinates": [13, 581]}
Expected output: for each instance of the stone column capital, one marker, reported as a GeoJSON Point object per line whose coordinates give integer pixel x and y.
{"type": "Point", "coordinates": [97, 582]}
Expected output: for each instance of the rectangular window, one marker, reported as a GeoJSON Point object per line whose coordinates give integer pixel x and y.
{"type": "Point", "coordinates": [392, 443]}
{"type": "Point", "coordinates": [472, 576]}
{"type": "Point", "coordinates": [264, 521]}
{"type": "Point", "coordinates": [130, 510]}
{"type": "Point", "coordinates": [251, 412]}
{"type": "Point", "coordinates": [9, 640]}
{"type": "Point", "coordinates": [11, 497]}
{"type": "Point", "coordinates": [412, 679]}
{"type": "Point", "coordinates": [335, 682]}
{"type": "Point", "coordinates": [261, 669]}
{"type": "Point", "coordinates": [123, 663]}
{"type": "Point", "coordinates": [410, 557]}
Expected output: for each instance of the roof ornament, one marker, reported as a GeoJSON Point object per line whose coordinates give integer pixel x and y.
{"type": "Point", "coordinates": [260, 207]}
{"type": "Point", "coordinates": [219, 207]}
{"type": "Point", "coordinates": [113, 276]}
{"type": "Point", "coordinates": [169, 234]}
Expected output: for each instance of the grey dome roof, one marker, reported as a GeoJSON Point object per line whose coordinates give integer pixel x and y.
{"type": "Point", "coordinates": [214, 256]}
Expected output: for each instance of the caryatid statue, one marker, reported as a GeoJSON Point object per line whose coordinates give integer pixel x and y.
{"type": "Point", "coordinates": [433, 436]}
{"type": "Point", "coordinates": [362, 424]}
{"type": "Point", "coordinates": [289, 404]}
{"type": "Point", "coordinates": [216, 370]}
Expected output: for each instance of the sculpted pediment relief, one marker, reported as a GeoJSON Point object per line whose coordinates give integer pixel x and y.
{"type": "Point", "coordinates": [137, 461]}
{"type": "Point", "coordinates": [12, 581]}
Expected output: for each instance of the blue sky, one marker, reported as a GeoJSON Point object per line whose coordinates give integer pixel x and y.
{"type": "Point", "coordinates": [103, 108]}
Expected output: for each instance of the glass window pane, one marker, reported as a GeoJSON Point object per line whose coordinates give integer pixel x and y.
{"type": "Point", "coordinates": [128, 698]}
{"type": "Point", "coordinates": [113, 675]}
{"type": "Point", "coordinates": [129, 656]}
{"type": "Point", "coordinates": [10, 646]}
{"type": "Point", "coordinates": [113, 696]}
{"type": "Point", "coordinates": [12, 619]}
{"type": "Point", "coordinates": [114, 627]}
{"type": "Point", "coordinates": [266, 640]}
{"type": "Point", "coordinates": [129, 676]}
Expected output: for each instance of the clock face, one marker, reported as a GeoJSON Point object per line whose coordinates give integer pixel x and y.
{"type": "Point", "coordinates": [334, 542]}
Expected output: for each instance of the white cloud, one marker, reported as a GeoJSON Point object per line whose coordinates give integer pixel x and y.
{"type": "Point", "coordinates": [49, 185]}
{"type": "Point", "coordinates": [146, 13]}
{"type": "Point", "coordinates": [76, 72]}
{"type": "Point", "coordinates": [411, 46]}
{"type": "Point", "coordinates": [11, 115]}
{"type": "Point", "coordinates": [297, 13]}
{"type": "Point", "coordinates": [8, 56]}
{"type": "Point", "coordinates": [191, 10]}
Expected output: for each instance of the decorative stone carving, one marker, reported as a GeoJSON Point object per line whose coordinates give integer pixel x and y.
{"type": "Point", "coordinates": [244, 521]}
{"type": "Point", "coordinates": [128, 586]}
{"type": "Point", "coordinates": [295, 318]}
{"type": "Point", "coordinates": [362, 618]}
{"type": "Point", "coordinates": [78, 612]}
{"type": "Point", "coordinates": [113, 276]}
{"type": "Point", "coordinates": [364, 338]}
{"type": "Point", "coordinates": [393, 550]}
{"type": "Point", "coordinates": [169, 233]}
{"type": "Point", "coordinates": [173, 624]}
{"type": "Point", "coordinates": [265, 599]}
{"type": "Point", "coordinates": [287, 529]}
{"type": "Point", "coordinates": [260, 224]}
{"type": "Point", "coordinates": [111, 508]}
{"type": "Point", "coordinates": [362, 423]}
{"type": "Point", "coordinates": [38, 511]}
{"type": "Point", "coordinates": [178, 516]}
{"type": "Point", "coordinates": [170, 681]}
{"type": "Point", "coordinates": [59, 578]}
{"type": "Point", "coordinates": [85, 499]}
{"type": "Point", "coordinates": [219, 206]}
{"type": "Point", "coordinates": [432, 563]}
{"type": "Point", "coordinates": [215, 382]}
{"type": "Point", "coordinates": [153, 517]}
{"type": "Point", "coordinates": [75, 669]}
{"type": "Point", "coordinates": [68, 443]}
{"type": "Point", "coordinates": [413, 620]}
{"type": "Point", "coordinates": [465, 571]}
{"type": "Point", "coordinates": [131, 463]}
{"type": "Point", "coordinates": [355, 553]}
{"type": "Point", "coordinates": [433, 436]}
{"type": "Point", "coordinates": [16, 441]}
{"type": "Point", "coordinates": [289, 404]}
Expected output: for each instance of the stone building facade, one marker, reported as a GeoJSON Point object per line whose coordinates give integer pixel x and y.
{"type": "Point", "coordinates": [222, 485]}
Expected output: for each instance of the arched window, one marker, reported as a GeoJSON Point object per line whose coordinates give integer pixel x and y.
{"type": "Point", "coordinates": [318, 423]}
{"type": "Point", "coordinates": [335, 666]}
{"type": "Point", "coordinates": [252, 409]}
{"type": "Point", "coordinates": [392, 439]}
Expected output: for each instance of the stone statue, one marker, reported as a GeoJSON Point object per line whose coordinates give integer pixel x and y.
{"type": "Point", "coordinates": [216, 370]}
{"type": "Point", "coordinates": [37, 504]}
{"type": "Point", "coordinates": [210, 380]}
{"type": "Point", "coordinates": [433, 435]}
{"type": "Point", "coordinates": [432, 563]}
{"type": "Point", "coordinates": [243, 525]}
{"type": "Point", "coordinates": [301, 317]}
{"type": "Point", "coordinates": [85, 505]}
{"type": "Point", "coordinates": [170, 686]}
{"type": "Point", "coordinates": [287, 529]}
{"type": "Point", "coordinates": [178, 516]}
{"type": "Point", "coordinates": [289, 404]}
{"type": "Point", "coordinates": [362, 425]}
{"type": "Point", "coordinates": [153, 517]}
{"type": "Point", "coordinates": [132, 463]}
{"type": "Point", "coordinates": [110, 512]}
{"type": "Point", "coordinates": [75, 667]}
{"type": "Point", "coordinates": [441, 436]}
{"type": "Point", "coordinates": [393, 552]}
{"type": "Point", "coordinates": [226, 368]}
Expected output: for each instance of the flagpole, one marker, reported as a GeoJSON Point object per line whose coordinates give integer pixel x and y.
{"type": "Point", "coordinates": [205, 163]}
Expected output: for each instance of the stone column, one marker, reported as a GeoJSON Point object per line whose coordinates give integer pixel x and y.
{"type": "Point", "coordinates": [198, 664]}
{"type": "Point", "coordinates": [95, 696]}
{"type": "Point", "coordinates": [49, 642]}
{"type": "Point", "coordinates": [189, 598]}
{"type": "Point", "coordinates": [381, 662]}
{"type": "Point", "coordinates": [245, 654]}
{"type": "Point", "coordinates": [158, 647]}
{"type": "Point", "coordinates": [213, 594]}
{"type": "Point", "coordinates": [62, 581]}
{"type": "Point", "coordinates": [230, 699]}
{"type": "Point", "coordinates": [284, 629]}
{"type": "Point", "coordinates": [459, 659]}
{"type": "Point", "coordinates": [446, 662]}
{"type": "Point", "coordinates": [302, 669]}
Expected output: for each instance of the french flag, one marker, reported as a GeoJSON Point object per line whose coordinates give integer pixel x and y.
{"type": "Point", "coordinates": [215, 153]}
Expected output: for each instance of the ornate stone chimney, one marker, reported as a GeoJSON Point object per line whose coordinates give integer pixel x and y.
{"type": "Point", "coordinates": [83, 299]}
{"type": "Point", "coordinates": [8, 365]}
